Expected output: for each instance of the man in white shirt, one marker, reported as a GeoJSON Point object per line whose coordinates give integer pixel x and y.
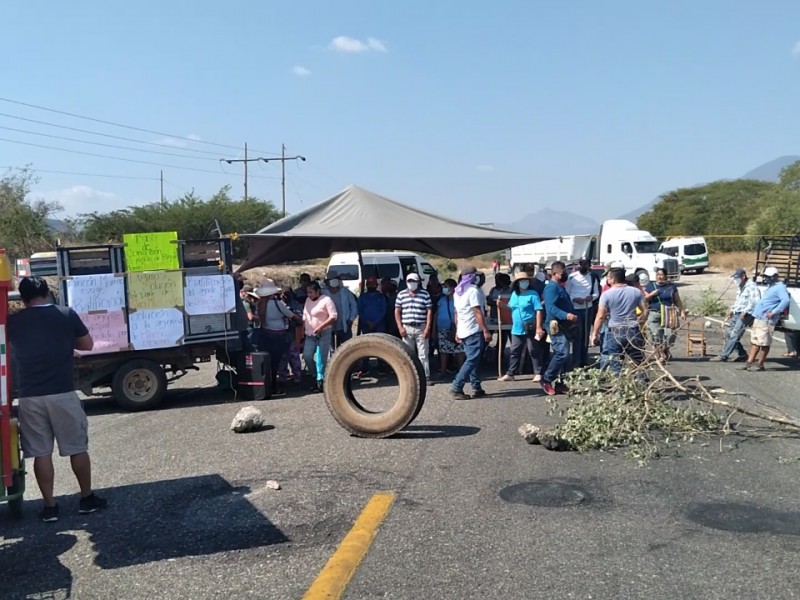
{"type": "Point", "coordinates": [471, 330]}
{"type": "Point", "coordinates": [584, 290]}
{"type": "Point", "coordinates": [346, 308]}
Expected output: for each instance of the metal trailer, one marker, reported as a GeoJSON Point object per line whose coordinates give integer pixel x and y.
{"type": "Point", "coordinates": [783, 253]}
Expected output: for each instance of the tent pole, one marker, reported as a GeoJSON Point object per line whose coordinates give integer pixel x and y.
{"type": "Point", "coordinates": [360, 269]}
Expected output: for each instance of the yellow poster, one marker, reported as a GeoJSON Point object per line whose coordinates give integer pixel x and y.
{"type": "Point", "coordinates": [155, 289]}
{"type": "Point", "coordinates": [151, 251]}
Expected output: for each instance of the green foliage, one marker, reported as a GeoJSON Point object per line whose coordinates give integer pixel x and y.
{"type": "Point", "coordinates": [610, 411]}
{"type": "Point", "coordinates": [710, 305]}
{"type": "Point", "coordinates": [450, 266]}
{"type": "Point", "coordinates": [191, 216]}
{"type": "Point", "coordinates": [23, 221]}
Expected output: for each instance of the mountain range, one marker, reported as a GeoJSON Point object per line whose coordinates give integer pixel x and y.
{"type": "Point", "coordinates": [552, 222]}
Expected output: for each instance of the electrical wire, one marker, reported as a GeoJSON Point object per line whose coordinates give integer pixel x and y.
{"type": "Point", "coordinates": [131, 160]}
{"type": "Point", "coordinates": [113, 124]}
{"type": "Point", "coordinates": [86, 174]}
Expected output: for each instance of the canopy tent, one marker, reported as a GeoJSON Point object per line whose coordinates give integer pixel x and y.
{"type": "Point", "coordinates": [357, 219]}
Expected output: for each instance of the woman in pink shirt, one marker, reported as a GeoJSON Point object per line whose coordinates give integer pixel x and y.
{"type": "Point", "coordinates": [319, 315]}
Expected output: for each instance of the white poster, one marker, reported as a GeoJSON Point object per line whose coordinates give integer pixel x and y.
{"type": "Point", "coordinates": [93, 293]}
{"type": "Point", "coordinates": [209, 295]}
{"type": "Point", "coordinates": [156, 328]}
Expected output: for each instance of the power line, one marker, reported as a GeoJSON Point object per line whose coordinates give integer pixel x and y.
{"type": "Point", "coordinates": [113, 124]}
{"type": "Point", "coordinates": [85, 174]}
{"type": "Point", "coordinates": [115, 146]}
{"type": "Point", "coordinates": [131, 160]}
{"type": "Point", "coordinates": [106, 135]}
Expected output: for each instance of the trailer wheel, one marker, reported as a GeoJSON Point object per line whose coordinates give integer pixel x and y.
{"type": "Point", "coordinates": [342, 403]}
{"type": "Point", "coordinates": [17, 485]}
{"type": "Point", "coordinates": [139, 385]}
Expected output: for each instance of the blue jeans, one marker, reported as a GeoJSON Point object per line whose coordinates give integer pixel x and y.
{"type": "Point", "coordinates": [311, 345]}
{"type": "Point", "coordinates": [620, 342]}
{"type": "Point", "coordinates": [559, 358]}
{"type": "Point", "coordinates": [473, 346]}
{"type": "Point", "coordinates": [734, 331]}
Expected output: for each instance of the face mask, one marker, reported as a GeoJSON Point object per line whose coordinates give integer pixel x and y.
{"type": "Point", "coordinates": [446, 291]}
{"type": "Point", "coordinates": [523, 285]}
{"type": "Point", "coordinates": [563, 277]}
{"type": "Point", "coordinates": [738, 281]}
{"type": "Point", "coordinates": [413, 285]}
{"type": "Point", "coordinates": [334, 283]}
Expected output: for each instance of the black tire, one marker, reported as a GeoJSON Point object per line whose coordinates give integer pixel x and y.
{"type": "Point", "coordinates": [339, 396]}
{"type": "Point", "coordinates": [423, 382]}
{"type": "Point", "coordinates": [700, 270]}
{"type": "Point", "coordinates": [139, 384]}
{"type": "Point", "coordinates": [17, 485]}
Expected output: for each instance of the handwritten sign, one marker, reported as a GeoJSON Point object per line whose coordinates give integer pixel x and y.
{"type": "Point", "coordinates": [108, 330]}
{"type": "Point", "coordinates": [151, 251]}
{"type": "Point", "coordinates": [92, 293]}
{"type": "Point", "coordinates": [155, 289]}
{"type": "Point", "coordinates": [156, 328]}
{"type": "Point", "coordinates": [209, 295]}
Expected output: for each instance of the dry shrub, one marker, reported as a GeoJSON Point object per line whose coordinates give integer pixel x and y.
{"type": "Point", "coordinates": [730, 261]}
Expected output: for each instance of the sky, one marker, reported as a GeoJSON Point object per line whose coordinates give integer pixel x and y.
{"type": "Point", "coordinates": [481, 111]}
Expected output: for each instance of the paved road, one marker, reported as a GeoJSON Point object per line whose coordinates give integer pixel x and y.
{"type": "Point", "coordinates": [191, 516]}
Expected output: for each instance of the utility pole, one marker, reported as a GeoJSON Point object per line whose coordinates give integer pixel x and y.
{"type": "Point", "coordinates": [283, 158]}
{"type": "Point", "coordinates": [244, 160]}
{"type": "Point", "coordinates": [162, 187]}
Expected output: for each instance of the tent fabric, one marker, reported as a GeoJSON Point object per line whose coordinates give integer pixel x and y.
{"type": "Point", "coordinates": [357, 219]}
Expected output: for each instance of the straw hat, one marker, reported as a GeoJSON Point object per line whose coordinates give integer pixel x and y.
{"type": "Point", "coordinates": [522, 275]}
{"type": "Point", "coordinates": [268, 288]}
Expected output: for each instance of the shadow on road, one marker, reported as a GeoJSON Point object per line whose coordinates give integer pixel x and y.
{"type": "Point", "coordinates": [419, 432]}
{"type": "Point", "coordinates": [30, 568]}
{"type": "Point", "coordinates": [744, 518]}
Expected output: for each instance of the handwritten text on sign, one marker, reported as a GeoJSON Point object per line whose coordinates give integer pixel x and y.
{"type": "Point", "coordinates": [156, 328]}
{"type": "Point", "coordinates": [151, 251]}
{"type": "Point", "coordinates": [108, 330]}
{"type": "Point", "coordinates": [209, 295]}
{"type": "Point", "coordinates": [155, 289]}
{"type": "Point", "coordinates": [91, 293]}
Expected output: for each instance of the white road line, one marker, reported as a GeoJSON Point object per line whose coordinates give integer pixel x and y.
{"type": "Point", "coordinates": [774, 337]}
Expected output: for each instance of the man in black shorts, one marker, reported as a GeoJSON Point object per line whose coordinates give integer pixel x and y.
{"type": "Point", "coordinates": [43, 338]}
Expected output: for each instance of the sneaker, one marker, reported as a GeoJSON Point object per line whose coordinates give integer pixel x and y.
{"type": "Point", "coordinates": [746, 366]}
{"type": "Point", "coordinates": [537, 378]}
{"type": "Point", "coordinates": [459, 394]}
{"type": "Point", "coordinates": [506, 378]}
{"type": "Point", "coordinates": [92, 503]}
{"type": "Point", "coordinates": [479, 393]}
{"type": "Point", "coordinates": [718, 359]}
{"type": "Point", "coordinates": [49, 514]}
{"type": "Point", "coordinates": [758, 368]}
{"type": "Point", "coordinates": [549, 389]}
{"type": "Point", "coordinates": [562, 388]}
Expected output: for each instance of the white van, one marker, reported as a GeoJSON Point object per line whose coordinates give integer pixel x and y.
{"type": "Point", "coordinates": [691, 252]}
{"type": "Point", "coordinates": [395, 265]}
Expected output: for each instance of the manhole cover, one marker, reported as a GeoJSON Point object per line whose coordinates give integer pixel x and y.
{"type": "Point", "coordinates": [546, 493]}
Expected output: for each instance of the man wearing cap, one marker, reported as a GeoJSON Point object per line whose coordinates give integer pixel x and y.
{"type": "Point", "coordinates": [471, 330]}
{"type": "Point", "coordinates": [739, 316]}
{"type": "Point", "coordinates": [767, 313]}
{"type": "Point", "coordinates": [346, 309]}
{"type": "Point", "coordinates": [413, 312]}
{"type": "Point", "coordinates": [584, 291]}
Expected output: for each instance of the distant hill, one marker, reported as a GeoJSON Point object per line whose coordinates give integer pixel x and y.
{"type": "Point", "coordinates": [57, 225]}
{"type": "Point", "coordinates": [549, 222]}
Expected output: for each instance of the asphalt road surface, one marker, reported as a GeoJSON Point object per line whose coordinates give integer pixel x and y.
{"type": "Point", "coordinates": [478, 513]}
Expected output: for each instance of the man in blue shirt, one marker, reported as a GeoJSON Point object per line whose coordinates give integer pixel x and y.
{"type": "Point", "coordinates": [767, 313]}
{"type": "Point", "coordinates": [560, 323]}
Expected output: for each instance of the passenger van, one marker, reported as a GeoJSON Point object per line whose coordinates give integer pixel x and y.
{"type": "Point", "coordinates": [691, 252]}
{"type": "Point", "coordinates": [395, 265]}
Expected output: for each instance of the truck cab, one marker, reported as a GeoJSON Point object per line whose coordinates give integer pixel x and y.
{"type": "Point", "coordinates": [623, 242]}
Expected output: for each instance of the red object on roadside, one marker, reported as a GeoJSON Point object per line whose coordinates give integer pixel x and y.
{"type": "Point", "coordinates": [6, 285]}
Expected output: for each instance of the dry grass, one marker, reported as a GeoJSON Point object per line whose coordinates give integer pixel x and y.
{"type": "Point", "coordinates": [730, 261]}
{"type": "Point", "coordinates": [287, 274]}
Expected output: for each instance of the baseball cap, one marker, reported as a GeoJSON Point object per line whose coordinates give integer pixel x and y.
{"type": "Point", "coordinates": [469, 270]}
{"type": "Point", "coordinates": [771, 272]}
{"type": "Point", "coordinates": [247, 288]}
{"type": "Point", "coordinates": [584, 258]}
{"type": "Point", "coordinates": [739, 273]}
{"type": "Point", "coordinates": [412, 277]}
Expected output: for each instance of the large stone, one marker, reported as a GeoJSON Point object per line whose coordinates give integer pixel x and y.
{"type": "Point", "coordinates": [530, 433]}
{"type": "Point", "coordinates": [247, 419]}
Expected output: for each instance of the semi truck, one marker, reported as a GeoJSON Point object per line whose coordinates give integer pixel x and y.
{"type": "Point", "coordinates": [566, 248]}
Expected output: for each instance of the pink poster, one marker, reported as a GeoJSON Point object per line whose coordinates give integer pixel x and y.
{"type": "Point", "coordinates": [108, 330]}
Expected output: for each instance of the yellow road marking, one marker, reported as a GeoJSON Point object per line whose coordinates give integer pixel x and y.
{"type": "Point", "coordinates": [340, 568]}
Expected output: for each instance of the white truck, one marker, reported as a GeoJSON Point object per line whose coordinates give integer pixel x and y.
{"type": "Point", "coordinates": [783, 253]}
{"type": "Point", "coordinates": [566, 248]}
{"type": "Point", "coordinates": [621, 241]}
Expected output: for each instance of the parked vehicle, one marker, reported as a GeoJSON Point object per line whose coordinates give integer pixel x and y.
{"type": "Point", "coordinates": [783, 254]}
{"type": "Point", "coordinates": [567, 249]}
{"type": "Point", "coordinates": [395, 265]}
{"type": "Point", "coordinates": [691, 252]}
{"type": "Point", "coordinates": [43, 264]}
{"type": "Point", "coordinates": [623, 242]}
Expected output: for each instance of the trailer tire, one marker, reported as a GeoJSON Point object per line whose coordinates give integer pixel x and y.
{"type": "Point", "coordinates": [343, 405]}
{"type": "Point", "coordinates": [139, 384]}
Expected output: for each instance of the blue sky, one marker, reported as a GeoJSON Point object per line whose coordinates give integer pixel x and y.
{"type": "Point", "coordinates": [482, 111]}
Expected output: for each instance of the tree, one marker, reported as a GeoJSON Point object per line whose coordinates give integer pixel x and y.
{"type": "Point", "coordinates": [24, 228]}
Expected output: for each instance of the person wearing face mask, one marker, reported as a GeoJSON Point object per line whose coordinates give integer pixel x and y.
{"type": "Point", "coordinates": [662, 296]}
{"type": "Point", "coordinates": [371, 315]}
{"type": "Point", "coordinates": [739, 317]}
{"type": "Point", "coordinates": [584, 291]}
{"type": "Point", "coordinates": [560, 323]}
{"type": "Point", "coordinates": [446, 330]}
{"type": "Point", "coordinates": [471, 330]}
{"type": "Point", "coordinates": [526, 326]}
{"type": "Point", "coordinates": [319, 317]}
{"type": "Point", "coordinates": [346, 309]}
{"type": "Point", "coordinates": [413, 313]}
{"type": "Point", "coordinates": [766, 314]}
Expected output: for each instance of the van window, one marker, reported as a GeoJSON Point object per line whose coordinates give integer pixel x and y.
{"type": "Point", "coordinates": [428, 269]}
{"type": "Point", "coordinates": [345, 272]}
{"type": "Point", "coordinates": [694, 249]}
{"type": "Point", "coordinates": [670, 250]}
{"type": "Point", "coordinates": [382, 269]}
